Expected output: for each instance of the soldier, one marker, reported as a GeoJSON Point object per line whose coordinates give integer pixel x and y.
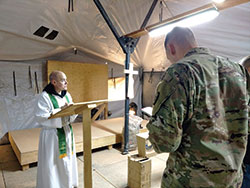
{"type": "Point", "coordinates": [246, 180]}
{"type": "Point", "coordinates": [200, 116]}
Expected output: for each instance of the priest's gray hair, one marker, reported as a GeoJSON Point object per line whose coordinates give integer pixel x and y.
{"type": "Point", "coordinates": [54, 75]}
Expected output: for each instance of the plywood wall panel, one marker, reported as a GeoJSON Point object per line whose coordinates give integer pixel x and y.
{"type": "Point", "coordinates": [87, 82]}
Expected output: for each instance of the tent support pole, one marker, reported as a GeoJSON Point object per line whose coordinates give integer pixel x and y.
{"type": "Point", "coordinates": [126, 118]}
{"type": "Point", "coordinates": [128, 45]}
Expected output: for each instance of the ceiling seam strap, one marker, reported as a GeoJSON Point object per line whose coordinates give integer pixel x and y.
{"type": "Point", "coordinates": [166, 5]}
{"type": "Point", "coordinates": [71, 4]}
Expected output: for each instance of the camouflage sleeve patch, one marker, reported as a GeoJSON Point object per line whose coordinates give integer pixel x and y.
{"type": "Point", "coordinates": [163, 92]}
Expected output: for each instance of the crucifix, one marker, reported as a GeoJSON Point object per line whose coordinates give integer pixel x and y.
{"type": "Point", "coordinates": [130, 72]}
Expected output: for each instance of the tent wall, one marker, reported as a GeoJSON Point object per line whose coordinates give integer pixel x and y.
{"type": "Point", "coordinates": [85, 29]}
{"type": "Point", "coordinates": [150, 82]}
{"type": "Point", "coordinates": [15, 111]}
{"type": "Point", "coordinates": [117, 107]}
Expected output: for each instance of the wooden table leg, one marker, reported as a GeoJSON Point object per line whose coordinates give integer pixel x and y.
{"type": "Point", "coordinates": [106, 111]}
{"type": "Point", "coordinates": [87, 169]}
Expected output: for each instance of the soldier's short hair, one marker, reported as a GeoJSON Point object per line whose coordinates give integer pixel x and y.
{"type": "Point", "coordinates": [180, 35]}
{"type": "Point", "coordinates": [53, 75]}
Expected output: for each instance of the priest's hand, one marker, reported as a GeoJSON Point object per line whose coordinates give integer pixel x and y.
{"type": "Point", "coordinates": [64, 106]}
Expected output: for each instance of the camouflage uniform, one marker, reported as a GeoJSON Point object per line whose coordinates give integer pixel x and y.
{"type": "Point", "coordinates": [200, 116]}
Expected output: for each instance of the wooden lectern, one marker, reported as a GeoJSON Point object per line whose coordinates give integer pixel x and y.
{"type": "Point", "coordinates": [85, 109]}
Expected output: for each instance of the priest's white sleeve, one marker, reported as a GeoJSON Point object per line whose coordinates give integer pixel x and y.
{"type": "Point", "coordinates": [43, 111]}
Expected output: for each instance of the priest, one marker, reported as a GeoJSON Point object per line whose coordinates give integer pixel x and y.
{"type": "Point", "coordinates": [57, 163]}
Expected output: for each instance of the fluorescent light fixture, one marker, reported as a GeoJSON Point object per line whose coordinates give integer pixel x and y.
{"type": "Point", "coordinates": [193, 19]}
{"type": "Point", "coordinates": [218, 1]}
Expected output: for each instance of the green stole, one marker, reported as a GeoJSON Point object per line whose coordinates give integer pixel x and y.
{"type": "Point", "coordinates": [60, 131]}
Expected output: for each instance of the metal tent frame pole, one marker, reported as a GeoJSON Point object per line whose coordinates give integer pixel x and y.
{"type": "Point", "coordinates": [128, 45]}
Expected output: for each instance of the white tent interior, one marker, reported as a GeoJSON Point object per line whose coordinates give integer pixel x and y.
{"type": "Point", "coordinates": [85, 29]}
{"type": "Point", "coordinates": [82, 29]}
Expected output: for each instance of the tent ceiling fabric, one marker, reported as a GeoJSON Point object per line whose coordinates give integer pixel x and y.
{"type": "Point", "coordinates": [84, 28]}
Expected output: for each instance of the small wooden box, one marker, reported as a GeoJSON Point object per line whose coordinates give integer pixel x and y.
{"type": "Point", "coordinates": [145, 149]}
{"type": "Point", "coordinates": [139, 172]}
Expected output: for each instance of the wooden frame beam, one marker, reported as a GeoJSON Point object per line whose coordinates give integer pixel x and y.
{"type": "Point", "coordinates": [220, 6]}
{"type": "Point", "coordinates": [100, 110]}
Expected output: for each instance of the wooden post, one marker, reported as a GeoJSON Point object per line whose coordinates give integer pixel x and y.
{"type": "Point", "coordinates": [106, 110]}
{"type": "Point", "coordinates": [139, 172]}
{"type": "Point", "coordinates": [85, 109]}
{"type": "Point", "coordinates": [143, 149]}
{"type": "Point", "coordinates": [87, 168]}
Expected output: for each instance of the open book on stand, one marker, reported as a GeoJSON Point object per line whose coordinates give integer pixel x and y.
{"type": "Point", "coordinates": [76, 108]}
